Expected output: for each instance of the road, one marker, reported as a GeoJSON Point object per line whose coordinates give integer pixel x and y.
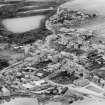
{"type": "Point", "coordinates": [90, 89]}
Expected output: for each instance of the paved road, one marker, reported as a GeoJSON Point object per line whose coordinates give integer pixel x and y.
{"type": "Point", "coordinates": [90, 89]}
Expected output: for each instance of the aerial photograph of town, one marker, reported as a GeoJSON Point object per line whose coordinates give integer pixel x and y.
{"type": "Point", "coordinates": [52, 52]}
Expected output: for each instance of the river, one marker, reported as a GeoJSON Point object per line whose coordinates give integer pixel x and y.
{"type": "Point", "coordinates": [22, 101]}
{"type": "Point", "coordinates": [20, 25]}
{"type": "Point", "coordinates": [33, 101]}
